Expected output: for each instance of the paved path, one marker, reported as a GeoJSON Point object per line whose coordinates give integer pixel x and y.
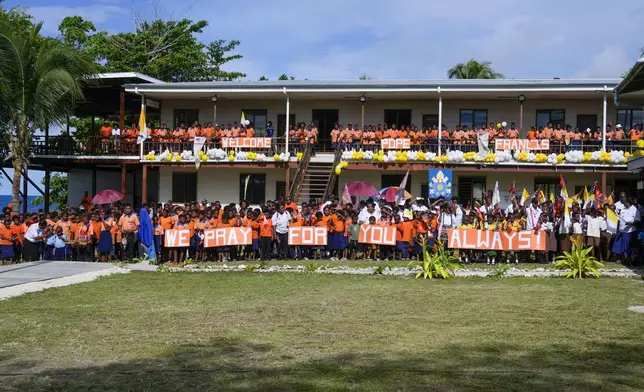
{"type": "Point", "coordinates": [15, 274]}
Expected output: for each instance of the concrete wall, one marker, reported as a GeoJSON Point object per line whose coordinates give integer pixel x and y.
{"type": "Point", "coordinates": [499, 110]}
{"type": "Point", "coordinates": [223, 183]}
{"type": "Point", "coordinates": [80, 180]}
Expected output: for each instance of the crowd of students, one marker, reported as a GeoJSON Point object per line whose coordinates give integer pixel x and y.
{"type": "Point", "coordinates": [103, 233]}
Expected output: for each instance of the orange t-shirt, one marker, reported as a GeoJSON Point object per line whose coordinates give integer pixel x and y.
{"type": "Point", "coordinates": [128, 223]}
{"type": "Point", "coordinates": [166, 223]}
{"type": "Point", "coordinates": [254, 226]}
{"type": "Point", "coordinates": [5, 235]}
{"type": "Point", "coordinates": [66, 225]}
{"type": "Point", "coordinates": [266, 227]}
{"type": "Point", "coordinates": [18, 231]}
{"type": "Point", "coordinates": [106, 131]}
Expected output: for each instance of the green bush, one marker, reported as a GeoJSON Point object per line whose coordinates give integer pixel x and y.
{"type": "Point", "coordinates": [579, 262]}
{"type": "Point", "coordinates": [440, 264]}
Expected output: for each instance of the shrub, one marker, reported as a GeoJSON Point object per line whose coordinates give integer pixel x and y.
{"type": "Point", "coordinates": [579, 262]}
{"type": "Point", "coordinates": [439, 264]}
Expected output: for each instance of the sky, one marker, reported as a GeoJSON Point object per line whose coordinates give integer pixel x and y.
{"type": "Point", "coordinates": [387, 39]}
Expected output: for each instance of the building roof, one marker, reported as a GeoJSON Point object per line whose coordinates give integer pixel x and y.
{"type": "Point", "coordinates": [435, 85]}
{"type": "Point", "coordinates": [634, 80]}
{"type": "Point", "coordinates": [129, 77]}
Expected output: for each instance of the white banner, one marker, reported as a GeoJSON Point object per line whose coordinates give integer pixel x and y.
{"type": "Point", "coordinates": [200, 141]}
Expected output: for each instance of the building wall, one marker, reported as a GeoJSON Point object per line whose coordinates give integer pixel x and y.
{"type": "Point", "coordinates": [223, 183]}
{"type": "Point", "coordinates": [219, 183]}
{"type": "Point", "coordinates": [499, 110]}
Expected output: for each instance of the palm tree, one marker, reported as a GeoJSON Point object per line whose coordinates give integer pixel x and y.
{"type": "Point", "coordinates": [473, 70]}
{"type": "Point", "coordinates": [40, 80]}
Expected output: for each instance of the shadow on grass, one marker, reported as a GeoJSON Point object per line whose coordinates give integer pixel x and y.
{"type": "Point", "coordinates": [226, 365]}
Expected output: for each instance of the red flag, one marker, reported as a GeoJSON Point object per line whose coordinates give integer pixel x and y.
{"type": "Point", "coordinates": [512, 189]}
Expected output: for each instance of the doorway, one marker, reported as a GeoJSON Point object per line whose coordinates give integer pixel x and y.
{"type": "Point", "coordinates": [398, 117]}
{"type": "Point", "coordinates": [325, 120]}
{"type": "Point", "coordinates": [586, 121]}
{"type": "Point", "coordinates": [257, 118]}
{"type": "Point", "coordinates": [430, 120]}
{"type": "Point", "coordinates": [281, 123]}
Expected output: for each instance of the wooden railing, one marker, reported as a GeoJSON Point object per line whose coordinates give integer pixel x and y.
{"type": "Point", "coordinates": [330, 185]}
{"type": "Point", "coordinates": [296, 184]}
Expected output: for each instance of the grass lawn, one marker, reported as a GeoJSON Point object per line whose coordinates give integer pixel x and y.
{"type": "Point", "coordinates": [393, 263]}
{"type": "Point", "coordinates": [310, 332]}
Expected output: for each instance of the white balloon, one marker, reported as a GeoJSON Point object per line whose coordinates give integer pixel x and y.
{"type": "Point", "coordinates": [504, 124]}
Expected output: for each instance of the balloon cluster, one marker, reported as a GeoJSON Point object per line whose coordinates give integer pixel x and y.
{"type": "Point", "coordinates": [202, 156]}
{"type": "Point", "coordinates": [340, 166]}
{"type": "Point", "coordinates": [455, 156]}
{"type": "Point", "coordinates": [216, 154]}
{"type": "Point", "coordinates": [150, 156]}
{"type": "Point", "coordinates": [503, 156]}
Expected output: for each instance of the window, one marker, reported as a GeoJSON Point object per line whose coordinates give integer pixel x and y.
{"type": "Point", "coordinates": [184, 187]}
{"type": "Point", "coordinates": [395, 180]}
{"type": "Point", "coordinates": [473, 117]}
{"type": "Point", "coordinates": [252, 187]}
{"type": "Point", "coordinates": [281, 123]}
{"type": "Point", "coordinates": [629, 117]}
{"type": "Point", "coordinates": [399, 117]}
{"type": "Point", "coordinates": [557, 117]}
{"type": "Point", "coordinates": [185, 116]}
{"type": "Point", "coordinates": [478, 189]}
{"type": "Point", "coordinates": [257, 118]}
{"type": "Point", "coordinates": [280, 190]}
{"type": "Point", "coordinates": [548, 186]}
{"type": "Point", "coordinates": [430, 120]}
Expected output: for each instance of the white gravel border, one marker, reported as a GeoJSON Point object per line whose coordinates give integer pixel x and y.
{"type": "Point", "coordinates": [32, 287]}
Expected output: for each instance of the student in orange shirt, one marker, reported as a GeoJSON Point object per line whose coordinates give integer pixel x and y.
{"type": "Point", "coordinates": [513, 132]}
{"type": "Point", "coordinates": [18, 232]}
{"type": "Point", "coordinates": [128, 224]}
{"type": "Point", "coordinates": [253, 223]}
{"type": "Point", "coordinates": [266, 236]}
{"type": "Point", "coordinates": [177, 255]}
{"type": "Point", "coordinates": [634, 135]}
{"type": "Point", "coordinates": [7, 238]}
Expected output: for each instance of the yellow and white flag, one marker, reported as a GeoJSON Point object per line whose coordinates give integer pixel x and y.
{"type": "Point", "coordinates": [611, 221]}
{"type": "Point", "coordinates": [524, 196]}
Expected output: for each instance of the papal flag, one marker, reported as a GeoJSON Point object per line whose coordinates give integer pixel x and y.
{"type": "Point", "coordinates": [524, 196]}
{"type": "Point", "coordinates": [611, 221]}
{"type": "Point", "coordinates": [563, 184]}
{"type": "Point", "coordinates": [143, 130]}
{"type": "Point", "coordinates": [243, 119]}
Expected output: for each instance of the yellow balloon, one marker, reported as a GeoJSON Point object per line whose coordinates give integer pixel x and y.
{"type": "Point", "coordinates": [338, 171]}
{"type": "Point", "coordinates": [276, 157]}
{"type": "Point", "coordinates": [204, 158]}
{"type": "Point", "coordinates": [231, 158]}
{"type": "Point", "coordinates": [498, 125]}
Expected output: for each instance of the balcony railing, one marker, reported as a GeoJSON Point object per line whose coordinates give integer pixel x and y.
{"type": "Point", "coordinates": [117, 146]}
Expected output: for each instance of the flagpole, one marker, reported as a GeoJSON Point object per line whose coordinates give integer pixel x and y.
{"type": "Point", "coordinates": [142, 131]}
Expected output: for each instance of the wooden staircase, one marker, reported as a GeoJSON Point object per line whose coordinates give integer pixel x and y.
{"type": "Point", "coordinates": [315, 182]}
{"type": "Point", "coordinates": [300, 173]}
{"type": "Point", "coordinates": [332, 177]}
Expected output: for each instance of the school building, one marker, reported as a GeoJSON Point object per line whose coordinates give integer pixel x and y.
{"type": "Point", "coordinates": [578, 103]}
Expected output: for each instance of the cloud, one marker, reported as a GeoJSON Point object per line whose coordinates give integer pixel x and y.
{"type": "Point", "coordinates": [611, 62]}
{"type": "Point", "coordinates": [98, 12]}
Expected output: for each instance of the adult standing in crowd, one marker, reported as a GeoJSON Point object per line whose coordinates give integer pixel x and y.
{"type": "Point", "coordinates": [281, 222]}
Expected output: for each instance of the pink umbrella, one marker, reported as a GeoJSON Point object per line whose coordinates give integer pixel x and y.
{"type": "Point", "coordinates": [389, 194]}
{"type": "Point", "coordinates": [361, 188]}
{"type": "Point", "coordinates": [107, 196]}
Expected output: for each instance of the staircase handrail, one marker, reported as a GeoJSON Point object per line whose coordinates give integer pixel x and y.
{"type": "Point", "coordinates": [332, 177]}
{"type": "Point", "coordinates": [296, 184]}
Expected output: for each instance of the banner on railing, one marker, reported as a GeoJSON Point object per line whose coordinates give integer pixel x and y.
{"type": "Point", "coordinates": [246, 142]}
{"type": "Point", "coordinates": [227, 236]}
{"type": "Point", "coordinates": [496, 240]}
{"type": "Point", "coordinates": [522, 144]}
{"type": "Point", "coordinates": [378, 235]}
{"type": "Point", "coordinates": [307, 236]}
{"type": "Point", "coordinates": [176, 238]}
{"type": "Point", "coordinates": [395, 144]}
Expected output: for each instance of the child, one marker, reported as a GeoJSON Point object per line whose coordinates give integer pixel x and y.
{"type": "Point", "coordinates": [319, 222]}
{"type": "Point", "coordinates": [179, 254]}
{"type": "Point", "coordinates": [157, 233]}
{"type": "Point", "coordinates": [372, 249]}
{"type": "Point", "coordinates": [7, 239]}
{"type": "Point", "coordinates": [594, 226]}
{"type": "Point", "coordinates": [265, 236]}
{"type": "Point", "coordinates": [353, 230]}
{"type": "Point", "coordinates": [491, 225]}
{"type": "Point", "coordinates": [83, 235]}
{"type": "Point", "coordinates": [577, 232]}
{"type": "Point", "coordinates": [57, 245]}
{"type": "Point", "coordinates": [551, 240]}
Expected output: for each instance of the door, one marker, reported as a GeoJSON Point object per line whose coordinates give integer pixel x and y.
{"type": "Point", "coordinates": [325, 120]}
{"type": "Point", "coordinates": [430, 120]}
{"type": "Point", "coordinates": [586, 121]}
{"type": "Point", "coordinates": [280, 190]}
{"type": "Point", "coordinates": [281, 123]}
{"type": "Point", "coordinates": [257, 118]}
{"type": "Point", "coordinates": [398, 117]}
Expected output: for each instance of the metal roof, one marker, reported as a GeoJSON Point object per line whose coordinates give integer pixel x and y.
{"type": "Point", "coordinates": [128, 77]}
{"type": "Point", "coordinates": [634, 80]}
{"type": "Point", "coordinates": [383, 85]}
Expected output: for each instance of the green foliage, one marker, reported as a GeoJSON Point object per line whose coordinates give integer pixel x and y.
{"type": "Point", "coordinates": [500, 270]}
{"type": "Point", "coordinates": [188, 261]}
{"type": "Point", "coordinates": [439, 264]}
{"type": "Point", "coordinates": [250, 268]}
{"type": "Point", "coordinates": [57, 191]}
{"type": "Point", "coordinates": [262, 79]}
{"type": "Point", "coordinates": [473, 69]}
{"type": "Point", "coordinates": [167, 50]}
{"type": "Point", "coordinates": [579, 262]}
{"type": "Point", "coordinates": [312, 267]}
{"type": "Point", "coordinates": [41, 81]}
{"type": "Point", "coordinates": [285, 77]}
{"type": "Point", "coordinates": [364, 76]}
{"type": "Point", "coordinates": [380, 268]}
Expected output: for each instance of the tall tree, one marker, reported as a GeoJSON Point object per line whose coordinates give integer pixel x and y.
{"type": "Point", "coordinates": [167, 50]}
{"type": "Point", "coordinates": [41, 80]}
{"type": "Point", "coordinates": [364, 76]}
{"type": "Point", "coordinates": [285, 77]}
{"type": "Point", "coordinates": [262, 79]}
{"type": "Point", "coordinates": [473, 70]}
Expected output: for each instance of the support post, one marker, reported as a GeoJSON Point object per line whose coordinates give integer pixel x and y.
{"type": "Point", "coordinates": [92, 144]}
{"type": "Point", "coordinates": [521, 120]}
{"type": "Point", "coordinates": [288, 115]}
{"type": "Point", "coordinates": [362, 124]}
{"type": "Point", "coordinates": [93, 182]}
{"type": "Point", "coordinates": [604, 183]}
{"type": "Point", "coordinates": [288, 178]}
{"type": "Point", "coordinates": [440, 120]}
{"type": "Point", "coordinates": [47, 190]}
{"type": "Point", "coordinates": [214, 114]}
{"type": "Point", "coordinates": [25, 189]}
{"type": "Point", "coordinates": [47, 139]}
{"type": "Point", "coordinates": [604, 120]}
{"type": "Point", "coordinates": [123, 179]}
{"type": "Point", "coordinates": [122, 112]}
{"type": "Point", "coordinates": [144, 180]}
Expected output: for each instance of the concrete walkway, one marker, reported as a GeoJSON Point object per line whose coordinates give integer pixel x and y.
{"type": "Point", "coordinates": [15, 274]}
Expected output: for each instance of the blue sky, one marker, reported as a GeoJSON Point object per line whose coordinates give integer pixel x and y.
{"type": "Point", "coordinates": [386, 39]}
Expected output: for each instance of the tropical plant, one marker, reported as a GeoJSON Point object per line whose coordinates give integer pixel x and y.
{"type": "Point", "coordinates": [439, 264]}
{"type": "Point", "coordinates": [500, 270]}
{"type": "Point", "coordinates": [579, 262]}
{"type": "Point", "coordinates": [263, 264]}
{"type": "Point", "coordinates": [380, 269]}
{"type": "Point", "coordinates": [57, 193]}
{"type": "Point", "coordinates": [250, 268]}
{"type": "Point", "coordinates": [312, 267]}
{"type": "Point", "coordinates": [41, 80]}
{"type": "Point", "coordinates": [473, 69]}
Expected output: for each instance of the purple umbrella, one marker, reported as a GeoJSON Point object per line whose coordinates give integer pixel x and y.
{"type": "Point", "coordinates": [362, 189]}
{"type": "Point", "coordinates": [107, 196]}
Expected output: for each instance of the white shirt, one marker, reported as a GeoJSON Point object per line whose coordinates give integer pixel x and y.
{"type": "Point", "coordinates": [116, 131]}
{"type": "Point", "coordinates": [32, 232]}
{"type": "Point", "coordinates": [281, 222]}
{"type": "Point", "coordinates": [533, 215]}
{"type": "Point", "coordinates": [447, 220]}
{"type": "Point", "coordinates": [576, 228]}
{"type": "Point", "coordinates": [627, 218]}
{"type": "Point", "coordinates": [485, 209]}
{"type": "Point", "coordinates": [364, 215]}
{"type": "Point", "coordinates": [594, 226]}
{"type": "Point", "coordinates": [458, 216]}
{"type": "Point", "coordinates": [619, 206]}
